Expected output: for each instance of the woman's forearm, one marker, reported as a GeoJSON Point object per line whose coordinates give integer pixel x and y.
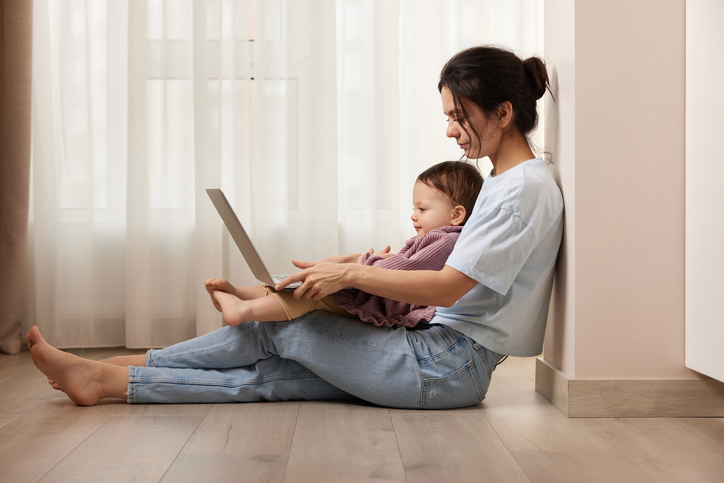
{"type": "Point", "coordinates": [419, 287]}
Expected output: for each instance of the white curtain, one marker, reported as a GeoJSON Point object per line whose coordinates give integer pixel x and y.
{"type": "Point", "coordinates": [314, 117]}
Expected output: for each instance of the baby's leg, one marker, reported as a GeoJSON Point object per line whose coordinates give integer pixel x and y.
{"type": "Point", "coordinates": [220, 285]}
{"type": "Point", "coordinates": [236, 311]}
{"type": "Point", "coordinates": [251, 293]}
{"type": "Point", "coordinates": [244, 293]}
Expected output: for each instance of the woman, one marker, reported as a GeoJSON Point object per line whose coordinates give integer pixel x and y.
{"type": "Point", "coordinates": [493, 292]}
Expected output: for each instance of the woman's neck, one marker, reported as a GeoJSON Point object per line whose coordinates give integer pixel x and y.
{"type": "Point", "coordinates": [511, 152]}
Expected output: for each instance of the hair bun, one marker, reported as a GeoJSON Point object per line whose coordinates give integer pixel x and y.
{"type": "Point", "coordinates": [535, 71]}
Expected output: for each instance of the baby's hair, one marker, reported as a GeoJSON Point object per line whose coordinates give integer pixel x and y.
{"type": "Point", "coordinates": [458, 180]}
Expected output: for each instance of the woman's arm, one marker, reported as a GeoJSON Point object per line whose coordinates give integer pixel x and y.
{"type": "Point", "coordinates": [421, 287]}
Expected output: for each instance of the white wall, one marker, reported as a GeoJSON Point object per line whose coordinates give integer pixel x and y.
{"type": "Point", "coordinates": [704, 193]}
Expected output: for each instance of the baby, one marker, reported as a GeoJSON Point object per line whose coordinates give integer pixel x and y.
{"type": "Point", "coordinates": [443, 198]}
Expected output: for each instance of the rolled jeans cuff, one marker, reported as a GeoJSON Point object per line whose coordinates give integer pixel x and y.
{"type": "Point", "coordinates": [131, 393]}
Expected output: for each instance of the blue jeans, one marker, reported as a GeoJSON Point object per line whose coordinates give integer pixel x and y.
{"type": "Point", "coordinates": [320, 356]}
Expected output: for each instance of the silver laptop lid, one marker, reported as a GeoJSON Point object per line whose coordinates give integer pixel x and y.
{"type": "Point", "coordinates": [240, 237]}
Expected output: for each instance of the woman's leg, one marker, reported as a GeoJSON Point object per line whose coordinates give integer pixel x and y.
{"type": "Point", "coordinates": [271, 379]}
{"type": "Point", "coordinates": [219, 349]}
{"type": "Point", "coordinates": [86, 382]}
{"type": "Point", "coordinates": [320, 356]}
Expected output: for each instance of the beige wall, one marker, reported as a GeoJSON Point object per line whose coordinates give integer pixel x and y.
{"type": "Point", "coordinates": [560, 140]}
{"type": "Point", "coordinates": [618, 144]}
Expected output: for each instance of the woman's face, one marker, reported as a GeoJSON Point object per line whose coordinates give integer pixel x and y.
{"type": "Point", "coordinates": [461, 129]}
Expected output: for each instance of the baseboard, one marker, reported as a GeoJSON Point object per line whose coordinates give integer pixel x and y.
{"type": "Point", "coordinates": [629, 398]}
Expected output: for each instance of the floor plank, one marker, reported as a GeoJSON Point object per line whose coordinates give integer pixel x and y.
{"type": "Point", "coordinates": [712, 428]}
{"type": "Point", "coordinates": [138, 444]}
{"type": "Point", "coordinates": [668, 450]}
{"type": "Point", "coordinates": [248, 429]}
{"type": "Point", "coordinates": [252, 439]}
{"type": "Point", "coordinates": [340, 442]}
{"type": "Point", "coordinates": [526, 365]}
{"type": "Point", "coordinates": [547, 445]}
{"type": "Point", "coordinates": [25, 390]}
{"type": "Point", "coordinates": [12, 365]}
{"type": "Point", "coordinates": [39, 439]}
{"type": "Point", "coordinates": [219, 468]}
{"type": "Point", "coordinates": [472, 451]}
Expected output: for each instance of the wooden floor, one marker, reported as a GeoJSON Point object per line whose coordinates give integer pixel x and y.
{"type": "Point", "coordinates": [514, 435]}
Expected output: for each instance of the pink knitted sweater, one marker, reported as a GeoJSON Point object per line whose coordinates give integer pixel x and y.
{"type": "Point", "coordinates": [428, 252]}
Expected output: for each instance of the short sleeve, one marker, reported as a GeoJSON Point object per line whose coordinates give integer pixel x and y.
{"type": "Point", "coordinates": [492, 248]}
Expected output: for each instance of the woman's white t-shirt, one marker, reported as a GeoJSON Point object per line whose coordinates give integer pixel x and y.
{"type": "Point", "coordinates": [509, 245]}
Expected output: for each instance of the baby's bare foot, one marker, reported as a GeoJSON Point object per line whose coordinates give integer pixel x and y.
{"type": "Point", "coordinates": [85, 382]}
{"type": "Point", "coordinates": [218, 284]}
{"type": "Point", "coordinates": [233, 308]}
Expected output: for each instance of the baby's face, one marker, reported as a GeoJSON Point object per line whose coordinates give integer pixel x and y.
{"type": "Point", "coordinates": [432, 209]}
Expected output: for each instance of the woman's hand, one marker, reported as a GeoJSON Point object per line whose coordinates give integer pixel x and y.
{"type": "Point", "coordinates": [319, 279]}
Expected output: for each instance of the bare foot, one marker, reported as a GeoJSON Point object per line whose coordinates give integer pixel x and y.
{"type": "Point", "coordinates": [262, 309]}
{"type": "Point", "coordinates": [85, 382]}
{"type": "Point", "coordinates": [234, 310]}
{"type": "Point", "coordinates": [218, 284]}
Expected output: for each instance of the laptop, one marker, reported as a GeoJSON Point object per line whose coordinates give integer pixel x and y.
{"type": "Point", "coordinates": [246, 247]}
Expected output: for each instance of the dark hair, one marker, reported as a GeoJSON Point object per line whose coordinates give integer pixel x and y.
{"type": "Point", "coordinates": [458, 180]}
{"type": "Point", "coordinates": [489, 76]}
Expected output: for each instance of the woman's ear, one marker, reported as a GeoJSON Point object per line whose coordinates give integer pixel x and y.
{"type": "Point", "coordinates": [505, 114]}
{"type": "Point", "coordinates": [458, 215]}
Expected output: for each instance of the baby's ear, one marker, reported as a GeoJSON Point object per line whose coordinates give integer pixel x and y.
{"type": "Point", "coordinates": [458, 215]}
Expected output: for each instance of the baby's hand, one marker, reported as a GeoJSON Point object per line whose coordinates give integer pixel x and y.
{"type": "Point", "coordinates": [342, 258]}
{"type": "Point", "coordinates": [384, 253]}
